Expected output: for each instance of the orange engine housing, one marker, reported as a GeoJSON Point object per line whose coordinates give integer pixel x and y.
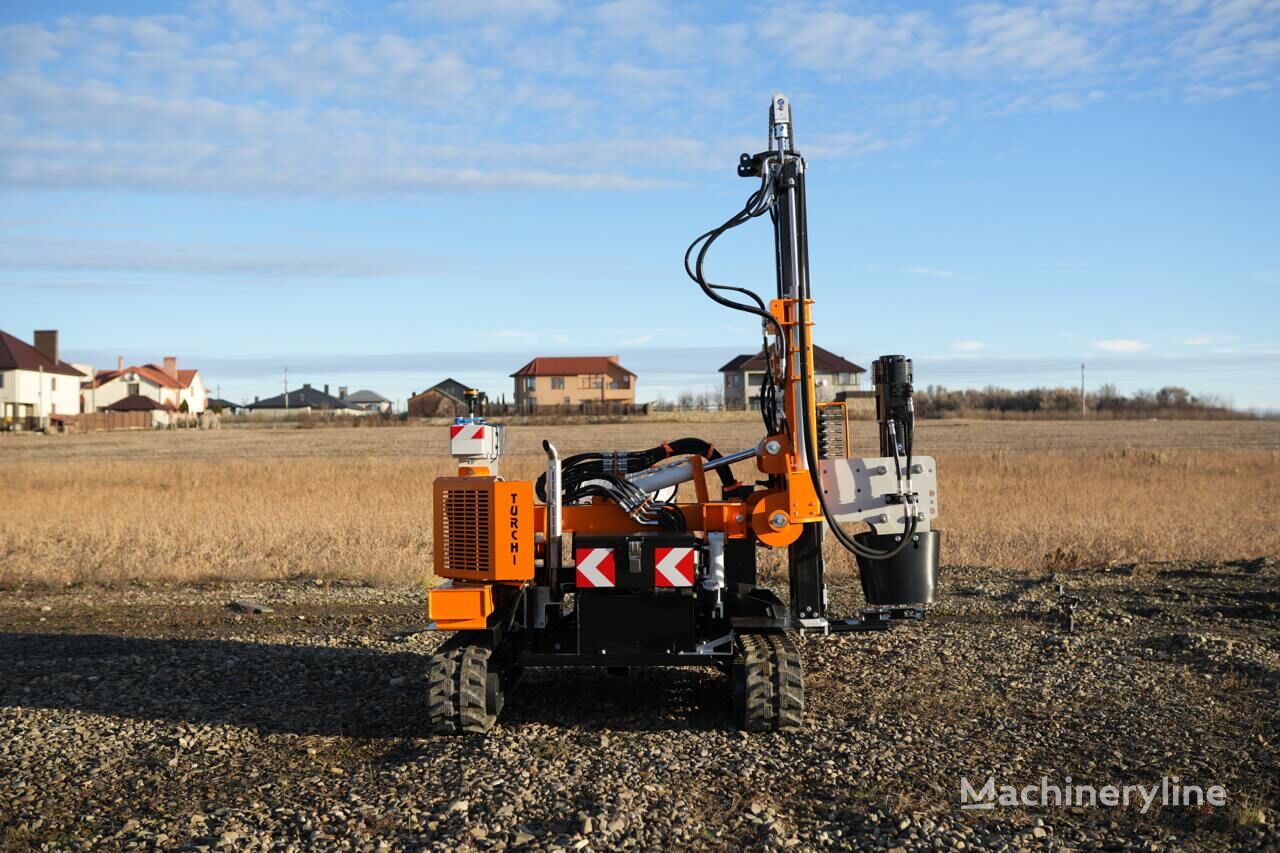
{"type": "Point", "coordinates": [483, 529]}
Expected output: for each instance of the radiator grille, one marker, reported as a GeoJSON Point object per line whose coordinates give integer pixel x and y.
{"type": "Point", "coordinates": [465, 530]}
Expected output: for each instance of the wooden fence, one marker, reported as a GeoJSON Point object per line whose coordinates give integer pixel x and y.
{"type": "Point", "coordinates": [104, 421]}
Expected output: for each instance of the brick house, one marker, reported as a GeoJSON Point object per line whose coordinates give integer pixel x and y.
{"type": "Point", "coordinates": [444, 399]}
{"type": "Point", "coordinates": [574, 381]}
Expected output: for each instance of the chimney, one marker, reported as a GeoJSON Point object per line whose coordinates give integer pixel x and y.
{"type": "Point", "coordinates": [326, 389]}
{"type": "Point", "coordinates": [47, 343]}
{"type": "Point", "coordinates": [255, 398]}
{"type": "Point", "coordinates": [171, 366]}
{"type": "Point", "coordinates": [119, 364]}
{"type": "Point", "coordinates": [342, 392]}
{"type": "Point", "coordinates": [612, 358]}
{"type": "Point", "coordinates": [306, 386]}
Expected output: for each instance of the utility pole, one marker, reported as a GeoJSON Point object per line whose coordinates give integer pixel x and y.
{"type": "Point", "coordinates": [1083, 409]}
{"type": "Point", "coordinates": [286, 392]}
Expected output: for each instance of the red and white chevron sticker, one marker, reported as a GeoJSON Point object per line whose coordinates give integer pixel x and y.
{"type": "Point", "coordinates": [466, 432]}
{"type": "Point", "coordinates": [595, 567]}
{"type": "Point", "coordinates": [673, 567]}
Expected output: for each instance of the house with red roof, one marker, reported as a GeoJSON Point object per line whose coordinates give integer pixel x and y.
{"type": "Point", "coordinates": [166, 384]}
{"type": "Point", "coordinates": [34, 384]}
{"type": "Point", "coordinates": [573, 380]}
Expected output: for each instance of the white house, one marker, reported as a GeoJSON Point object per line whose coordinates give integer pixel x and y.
{"type": "Point", "coordinates": [369, 401]}
{"type": "Point", "coordinates": [34, 384]}
{"type": "Point", "coordinates": [832, 376]}
{"type": "Point", "coordinates": [164, 383]}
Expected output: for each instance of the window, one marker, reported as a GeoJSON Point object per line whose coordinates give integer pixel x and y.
{"type": "Point", "coordinates": [1, 380]}
{"type": "Point", "coordinates": [531, 383]}
{"type": "Point", "coordinates": [557, 383]}
{"type": "Point", "coordinates": [844, 378]}
{"type": "Point", "coordinates": [737, 380]}
{"type": "Point", "coordinates": [590, 381]}
{"type": "Point", "coordinates": [53, 383]}
{"type": "Point", "coordinates": [133, 389]}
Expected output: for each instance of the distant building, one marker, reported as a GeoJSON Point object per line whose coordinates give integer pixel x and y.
{"type": "Point", "coordinates": [573, 380]}
{"type": "Point", "coordinates": [161, 413]}
{"type": "Point", "coordinates": [165, 383]}
{"type": "Point", "coordinates": [833, 376]}
{"type": "Point", "coordinates": [445, 399]}
{"type": "Point", "coordinates": [369, 401]}
{"type": "Point", "coordinates": [34, 384]}
{"type": "Point", "coordinates": [302, 401]}
{"type": "Point", "coordinates": [227, 407]}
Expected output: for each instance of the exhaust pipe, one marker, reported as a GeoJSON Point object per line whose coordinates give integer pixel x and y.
{"type": "Point", "coordinates": [555, 520]}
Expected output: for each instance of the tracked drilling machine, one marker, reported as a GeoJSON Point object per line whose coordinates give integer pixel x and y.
{"type": "Point", "coordinates": [598, 563]}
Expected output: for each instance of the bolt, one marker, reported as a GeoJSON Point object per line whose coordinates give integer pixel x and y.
{"type": "Point", "coordinates": [772, 447]}
{"type": "Point", "coordinates": [739, 518]}
{"type": "Point", "coordinates": [778, 520]}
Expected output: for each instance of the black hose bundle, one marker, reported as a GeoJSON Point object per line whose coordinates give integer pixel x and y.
{"type": "Point", "coordinates": [806, 406]}
{"type": "Point", "coordinates": [758, 203]}
{"type": "Point", "coordinates": [603, 474]}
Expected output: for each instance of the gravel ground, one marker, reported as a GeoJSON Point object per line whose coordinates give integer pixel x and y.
{"type": "Point", "coordinates": [160, 718]}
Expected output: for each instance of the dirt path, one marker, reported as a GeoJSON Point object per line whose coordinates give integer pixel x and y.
{"type": "Point", "coordinates": [157, 715]}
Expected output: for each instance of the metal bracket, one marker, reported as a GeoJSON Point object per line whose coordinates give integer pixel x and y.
{"type": "Point", "coordinates": [635, 556]}
{"type": "Point", "coordinates": [867, 490]}
{"type": "Point", "coordinates": [877, 619]}
{"type": "Point", "coordinates": [710, 646]}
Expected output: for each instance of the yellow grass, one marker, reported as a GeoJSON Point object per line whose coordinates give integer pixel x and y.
{"type": "Point", "coordinates": [357, 503]}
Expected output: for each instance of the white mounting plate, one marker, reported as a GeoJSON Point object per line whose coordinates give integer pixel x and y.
{"type": "Point", "coordinates": [858, 490]}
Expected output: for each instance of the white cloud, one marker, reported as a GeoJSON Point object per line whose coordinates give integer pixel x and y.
{"type": "Point", "coordinates": [637, 340]}
{"type": "Point", "coordinates": [288, 96]}
{"type": "Point", "coordinates": [968, 346]}
{"type": "Point", "coordinates": [872, 45]}
{"type": "Point", "coordinates": [932, 272]}
{"type": "Point", "coordinates": [1122, 345]}
{"type": "Point", "coordinates": [488, 10]}
{"type": "Point", "coordinates": [1056, 102]}
{"type": "Point", "coordinates": [518, 334]}
{"type": "Point", "coordinates": [1026, 38]}
{"type": "Point", "coordinates": [1205, 340]}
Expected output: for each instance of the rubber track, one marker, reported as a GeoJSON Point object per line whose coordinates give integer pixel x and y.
{"type": "Point", "coordinates": [456, 690]}
{"type": "Point", "coordinates": [769, 680]}
{"type": "Point", "coordinates": [754, 684]}
{"type": "Point", "coordinates": [788, 681]}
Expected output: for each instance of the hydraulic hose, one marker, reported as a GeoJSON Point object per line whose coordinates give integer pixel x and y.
{"type": "Point", "coordinates": [806, 425]}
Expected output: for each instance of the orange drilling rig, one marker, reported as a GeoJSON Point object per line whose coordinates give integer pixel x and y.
{"type": "Point", "coordinates": [598, 563]}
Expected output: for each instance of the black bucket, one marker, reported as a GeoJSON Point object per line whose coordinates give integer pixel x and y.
{"type": "Point", "coordinates": [911, 577]}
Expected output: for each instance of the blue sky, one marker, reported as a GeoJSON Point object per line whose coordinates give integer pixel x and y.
{"type": "Point", "coordinates": [380, 196]}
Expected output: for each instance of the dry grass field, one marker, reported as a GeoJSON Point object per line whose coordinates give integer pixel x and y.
{"type": "Point", "coordinates": [272, 503]}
